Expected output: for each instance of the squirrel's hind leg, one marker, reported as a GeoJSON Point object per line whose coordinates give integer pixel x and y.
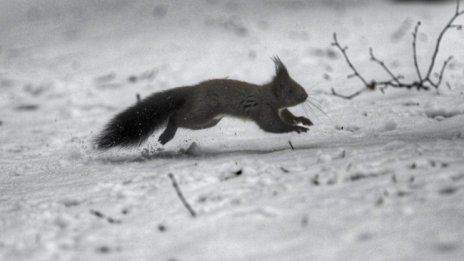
{"type": "Point", "coordinates": [169, 132]}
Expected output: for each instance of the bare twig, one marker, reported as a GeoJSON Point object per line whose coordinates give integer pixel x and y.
{"type": "Point", "coordinates": [440, 37]}
{"type": "Point", "coordinates": [442, 72]}
{"type": "Point", "coordinates": [424, 82]}
{"type": "Point", "coordinates": [181, 196]}
{"type": "Point", "coordinates": [291, 145]}
{"type": "Point", "coordinates": [343, 50]}
{"type": "Point", "coordinates": [102, 216]}
{"type": "Point", "coordinates": [414, 49]}
{"type": "Point", "coordinates": [348, 97]}
{"type": "Point", "coordinates": [395, 79]}
{"type": "Point", "coordinates": [355, 72]}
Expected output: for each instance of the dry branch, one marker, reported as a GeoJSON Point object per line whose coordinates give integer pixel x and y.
{"type": "Point", "coordinates": [414, 49]}
{"type": "Point", "coordinates": [181, 196]}
{"type": "Point", "coordinates": [291, 145]}
{"type": "Point", "coordinates": [423, 82]}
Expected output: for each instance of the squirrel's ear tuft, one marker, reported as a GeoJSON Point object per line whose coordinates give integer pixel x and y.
{"type": "Point", "coordinates": [281, 73]}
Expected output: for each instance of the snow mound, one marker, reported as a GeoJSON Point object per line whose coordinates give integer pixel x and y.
{"type": "Point", "coordinates": [389, 125]}
{"type": "Point", "coordinates": [194, 150]}
{"type": "Point", "coordinates": [440, 114]}
{"type": "Point", "coordinates": [73, 152]}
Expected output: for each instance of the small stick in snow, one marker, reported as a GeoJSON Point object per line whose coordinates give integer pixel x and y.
{"type": "Point", "coordinates": [97, 213]}
{"type": "Point", "coordinates": [181, 196]}
{"type": "Point", "coordinates": [423, 82]}
{"type": "Point", "coordinates": [102, 216]}
{"type": "Point", "coordinates": [291, 145]}
{"type": "Point", "coordinates": [315, 180]}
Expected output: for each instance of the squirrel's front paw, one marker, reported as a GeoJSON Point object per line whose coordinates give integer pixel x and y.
{"type": "Point", "coordinates": [299, 129]}
{"type": "Point", "coordinates": [305, 121]}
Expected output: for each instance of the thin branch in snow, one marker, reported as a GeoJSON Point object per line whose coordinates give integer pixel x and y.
{"type": "Point", "coordinates": [381, 63]}
{"type": "Point", "coordinates": [181, 196]}
{"type": "Point", "coordinates": [348, 97]}
{"type": "Point", "coordinates": [291, 145]}
{"type": "Point", "coordinates": [442, 71]}
{"type": "Point", "coordinates": [449, 25]}
{"type": "Point", "coordinates": [448, 85]}
{"type": "Point", "coordinates": [424, 82]}
{"type": "Point", "coordinates": [414, 49]}
{"type": "Point", "coordinates": [102, 216]}
{"type": "Point", "coordinates": [343, 50]}
{"type": "Point", "coordinates": [97, 213]}
{"type": "Point", "coordinates": [350, 64]}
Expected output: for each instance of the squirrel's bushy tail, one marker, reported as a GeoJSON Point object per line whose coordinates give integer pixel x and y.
{"type": "Point", "coordinates": [135, 124]}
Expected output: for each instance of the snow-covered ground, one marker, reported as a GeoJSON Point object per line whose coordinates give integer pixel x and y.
{"type": "Point", "coordinates": [380, 177]}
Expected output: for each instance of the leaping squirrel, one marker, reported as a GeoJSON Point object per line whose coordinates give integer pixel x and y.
{"type": "Point", "coordinates": [203, 105]}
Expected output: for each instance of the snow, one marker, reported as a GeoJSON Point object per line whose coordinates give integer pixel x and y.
{"type": "Point", "coordinates": [380, 177]}
{"type": "Point", "coordinates": [389, 125]}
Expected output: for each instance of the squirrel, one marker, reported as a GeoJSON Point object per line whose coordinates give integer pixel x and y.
{"type": "Point", "coordinates": [204, 105]}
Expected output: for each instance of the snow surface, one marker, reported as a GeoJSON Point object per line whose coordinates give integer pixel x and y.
{"type": "Point", "coordinates": [380, 177]}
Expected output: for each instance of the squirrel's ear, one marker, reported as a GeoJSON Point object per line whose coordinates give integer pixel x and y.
{"type": "Point", "coordinates": [281, 74]}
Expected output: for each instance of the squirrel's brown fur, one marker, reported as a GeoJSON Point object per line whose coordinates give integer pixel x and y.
{"type": "Point", "coordinates": [203, 105]}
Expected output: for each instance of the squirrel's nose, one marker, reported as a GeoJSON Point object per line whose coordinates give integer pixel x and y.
{"type": "Point", "coordinates": [305, 96]}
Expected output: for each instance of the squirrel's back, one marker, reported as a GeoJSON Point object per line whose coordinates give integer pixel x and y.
{"type": "Point", "coordinates": [229, 97]}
